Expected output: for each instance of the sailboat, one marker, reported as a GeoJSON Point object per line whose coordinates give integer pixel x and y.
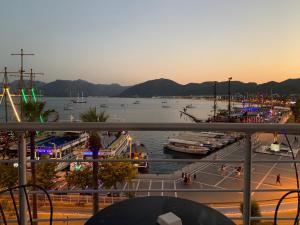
{"type": "Point", "coordinates": [79, 100]}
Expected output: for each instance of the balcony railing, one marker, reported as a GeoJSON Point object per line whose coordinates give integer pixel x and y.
{"type": "Point", "coordinates": [247, 129]}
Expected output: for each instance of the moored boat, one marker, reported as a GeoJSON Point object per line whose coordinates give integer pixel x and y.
{"type": "Point", "coordinates": [185, 146]}
{"type": "Point", "coordinates": [60, 147]}
{"type": "Point", "coordinates": [79, 100]}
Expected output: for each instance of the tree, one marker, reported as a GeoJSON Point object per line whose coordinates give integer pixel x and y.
{"type": "Point", "coordinates": [255, 211]}
{"type": "Point", "coordinates": [80, 178]}
{"type": "Point", "coordinates": [91, 115]}
{"type": "Point", "coordinates": [46, 174]}
{"type": "Point", "coordinates": [8, 175]}
{"type": "Point", "coordinates": [35, 112]}
{"type": "Point", "coordinates": [112, 173]}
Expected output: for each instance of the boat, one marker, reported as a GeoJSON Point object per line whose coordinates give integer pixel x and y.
{"type": "Point", "coordinates": [136, 102]}
{"type": "Point", "coordinates": [190, 106]}
{"type": "Point", "coordinates": [165, 105]}
{"type": "Point", "coordinates": [114, 144]}
{"type": "Point", "coordinates": [68, 107]}
{"type": "Point", "coordinates": [79, 100]}
{"type": "Point", "coordinates": [184, 146]}
{"type": "Point", "coordinates": [103, 106]}
{"type": "Point", "coordinates": [140, 153]}
{"type": "Point", "coordinates": [60, 147]}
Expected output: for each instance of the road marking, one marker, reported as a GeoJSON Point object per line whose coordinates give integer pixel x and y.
{"type": "Point", "coordinates": [175, 193]}
{"type": "Point", "coordinates": [221, 155]}
{"type": "Point", "coordinates": [138, 184]}
{"type": "Point", "coordinates": [125, 185]}
{"type": "Point", "coordinates": [228, 175]}
{"type": "Point", "coordinates": [162, 187]}
{"type": "Point", "coordinates": [150, 183]}
{"type": "Point", "coordinates": [201, 184]}
{"type": "Point", "coordinates": [267, 174]}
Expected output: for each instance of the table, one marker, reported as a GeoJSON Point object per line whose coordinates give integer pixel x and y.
{"type": "Point", "coordinates": [145, 210]}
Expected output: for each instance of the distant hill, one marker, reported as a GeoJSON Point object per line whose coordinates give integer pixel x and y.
{"type": "Point", "coordinates": [165, 87]}
{"type": "Point", "coordinates": [65, 88]}
{"type": "Point", "coordinates": [159, 87]}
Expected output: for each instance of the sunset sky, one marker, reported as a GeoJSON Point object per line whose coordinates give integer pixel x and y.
{"type": "Point", "coordinates": [131, 41]}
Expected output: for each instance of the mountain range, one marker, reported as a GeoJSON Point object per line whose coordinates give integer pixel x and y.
{"type": "Point", "coordinates": [160, 87]}
{"type": "Point", "coordinates": [165, 87]}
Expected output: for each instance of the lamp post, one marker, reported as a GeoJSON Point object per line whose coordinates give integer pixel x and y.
{"type": "Point", "coordinates": [229, 97]}
{"type": "Point", "coordinates": [130, 146]}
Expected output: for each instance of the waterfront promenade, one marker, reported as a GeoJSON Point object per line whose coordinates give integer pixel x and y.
{"type": "Point", "coordinates": [209, 175]}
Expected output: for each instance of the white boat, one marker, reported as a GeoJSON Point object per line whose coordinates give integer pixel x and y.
{"type": "Point", "coordinates": [191, 147]}
{"type": "Point", "coordinates": [79, 100]}
{"type": "Point", "coordinates": [165, 105]}
{"type": "Point", "coordinates": [190, 106]}
{"type": "Point", "coordinates": [136, 102]}
{"type": "Point", "coordinates": [60, 147]}
{"type": "Point", "coordinates": [113, 146]}
{"type": "Point", "coordinates": [103, 106]}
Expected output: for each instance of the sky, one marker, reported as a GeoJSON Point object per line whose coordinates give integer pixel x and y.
{"type": "Point", "coordinates": [131, 41]}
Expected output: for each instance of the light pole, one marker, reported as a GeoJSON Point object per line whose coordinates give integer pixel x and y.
{"type": "Point", "coordinates": [229, 97]}
{"type": "Point", "coordinates": [130, 146]}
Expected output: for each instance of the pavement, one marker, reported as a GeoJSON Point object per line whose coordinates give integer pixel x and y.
{"type": "Point", "coordinates": [209, 175]}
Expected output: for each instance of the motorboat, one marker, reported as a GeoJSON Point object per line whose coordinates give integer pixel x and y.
{"type": "Point", "coordinates": [185, 146]}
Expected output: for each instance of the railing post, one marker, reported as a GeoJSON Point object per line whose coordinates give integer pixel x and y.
{"type": "Point", "coordinates": [247, 182]}
{"type": "Point", "coordinates": [22, 177]}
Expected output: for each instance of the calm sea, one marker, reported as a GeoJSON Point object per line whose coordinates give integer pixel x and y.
{"type": "Point", "coordinates": [148, 110]}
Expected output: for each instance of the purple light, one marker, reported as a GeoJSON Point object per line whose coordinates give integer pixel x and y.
{"type": "Point", "coordinates": [45, 151]}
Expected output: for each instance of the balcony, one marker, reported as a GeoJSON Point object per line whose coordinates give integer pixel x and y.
{"type": "Point", "coordinates": [223, 192]}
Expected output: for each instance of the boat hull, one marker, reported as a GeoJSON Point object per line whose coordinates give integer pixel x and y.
{"type": "Point", "coordinates": [197, 151]}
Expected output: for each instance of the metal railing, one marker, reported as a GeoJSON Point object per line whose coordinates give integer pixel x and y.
{"type": "Point", "coordinates": [248, 129]}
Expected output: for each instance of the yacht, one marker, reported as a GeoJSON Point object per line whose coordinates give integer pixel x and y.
{"type": "Point", "coordinates": [79, 100]}
{"type": "Point", "coordinates": [165, 105]}
{"type": "Point", "coordinates": [60, 146]}
{"type": "Point", "coordinates": [103, 106]}
{"type": "Point", "coordinates": [185, 146]}
{"type": "Point", "coordinates": [190, 106]}
{"type": "Point", "coordinates": [136, 102]}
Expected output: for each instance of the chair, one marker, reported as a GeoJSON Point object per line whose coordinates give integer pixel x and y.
{"type": "Point", "coordinates": [25, 188]}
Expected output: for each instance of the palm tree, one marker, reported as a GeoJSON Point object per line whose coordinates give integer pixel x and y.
{"type": "Point", "coordinates": [91, 115]}
{"type": "Point", "coordinates": [35, 112]}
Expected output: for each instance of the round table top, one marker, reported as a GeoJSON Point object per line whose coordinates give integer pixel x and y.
{"type": "Point", "coordinates": [145, 211]}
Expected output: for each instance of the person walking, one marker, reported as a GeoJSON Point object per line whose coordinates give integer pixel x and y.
{"type": "Point", "coordinates": [278, 179]}
{"type": "Point", "coordinates": [195, 176]}
{"type": "Point", "coordinates": [182, 175]}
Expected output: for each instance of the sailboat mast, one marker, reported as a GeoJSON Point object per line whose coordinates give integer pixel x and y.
{"type": "Point", "coordinates": [215, 99]}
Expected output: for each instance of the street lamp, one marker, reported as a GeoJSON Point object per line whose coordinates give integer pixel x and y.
{"type": "Point", "coordinates": [130, 146]}
{"type": "Point", "coordinates": [229, 97]}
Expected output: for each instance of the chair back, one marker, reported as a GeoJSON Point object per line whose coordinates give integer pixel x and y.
{"type": "Point", "coordinates": [8, 196]}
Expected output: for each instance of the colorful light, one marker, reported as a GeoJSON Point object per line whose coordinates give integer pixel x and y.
{"type": "Point", "coordinates": [41, 119]}
{"type": "Point", "coordinates": [24, 95]}
{"type": "Point", "coordinates": [45, 151]}
{"type": "Point", "coordinates": [33, 95]}
{"type": "Point", "coordinates": [12, 104]}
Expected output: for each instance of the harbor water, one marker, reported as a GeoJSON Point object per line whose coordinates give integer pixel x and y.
{"type": "Point", "coordinates": [138, 110]}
